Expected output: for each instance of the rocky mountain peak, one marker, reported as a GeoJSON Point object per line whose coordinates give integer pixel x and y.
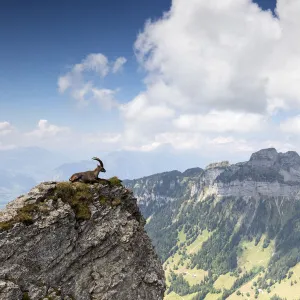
{"type": "Point", "coordinates": [222, 164]}
{"type": "Point", "coordinates": [290, 159]}
{"type": "Point", "coordinates": [77, 241]}
{"type": "Point", "coordinates": [264, 157]}
{"type": "Point", "coordinates": [192, 172]}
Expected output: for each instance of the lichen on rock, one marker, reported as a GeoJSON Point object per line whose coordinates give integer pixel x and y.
{"type": "Point", "coordinates": [77, 241]}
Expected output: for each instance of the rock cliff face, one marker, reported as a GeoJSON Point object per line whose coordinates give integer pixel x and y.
{"type": "Point", "coordinates": [157, 190]}
{"type": "Point", "coordinates": [77, 241]}
{"type": "Point", "coordinates": [266, 174]}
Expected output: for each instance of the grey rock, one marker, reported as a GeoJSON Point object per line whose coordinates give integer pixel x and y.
{"type": "Point", "coordinates": [153, 192]}
{"type": "Point", "coordinates": [9, 290]}
{"type": "Point", "coordinates": [222, 164]}
{"type": "Point", "coordinates": [55, 253]}
{"type": "Point", "coordinates": [265, 157]}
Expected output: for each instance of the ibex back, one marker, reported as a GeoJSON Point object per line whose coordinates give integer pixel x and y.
{"type": "Point", "coordinates": [89, 176]}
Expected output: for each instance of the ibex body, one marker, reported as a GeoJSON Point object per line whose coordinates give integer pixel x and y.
{"type": "Point", "coordinates": [89, 176]}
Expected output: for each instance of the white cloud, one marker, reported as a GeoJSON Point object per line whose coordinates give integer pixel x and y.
{"type": "Point", "coordinates": [291, 125]}
{"type": "Point", "coordinates": [46, 130]}
{"type": "Point", "coordinates": [216, 121]}
{"type": "Point", "coordinates": [140, 109]}
{"type": "Point", "coordinates": [118, 64]}
{"type": "Point", "coordinates": [95, 63]}
{"type": "Point", "coordinates": [84, 90]}
{"type": "Point", "coordinates": [220, 140]}
{"type": "Point", "coordinates": [4, 147]}
{"type": "Point", "coordinates": [5, 128]}
{"type": "Point", "coordinates": [105, 137]}
{"type": "Point", "coordinates": [212, 52]}
{"type": "Point", "coordinates": [105, 97]}
{"type": "Point", "coordinates": [80, 94]}
{"type": "Point", "coordinates": [215, 68]}
{"type": "Point", "coordinates": [64, 82]}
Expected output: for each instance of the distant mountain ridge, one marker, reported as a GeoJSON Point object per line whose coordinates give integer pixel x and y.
{"type": "Point", "coordinates": [24, 167]}
{"type": "Point", "coordinates": [257, 200]}
{"type": "Point", "coordinates": [41, 165]}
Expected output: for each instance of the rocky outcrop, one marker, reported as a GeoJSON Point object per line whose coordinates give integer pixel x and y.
{"type": "Point", "coordinates": [77, 241]}
{"type": "Point", "coordinates": [221, 164]}
{"type": "Point", "coordinates": [267, 174]}
{"type": "Point", "coordinates": [153, 192]}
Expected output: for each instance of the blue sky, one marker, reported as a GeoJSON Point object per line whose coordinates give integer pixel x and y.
{"type": "Point", "coordinates": [41, 39]}
{"type": "Point", "coordinates": [209, 77]}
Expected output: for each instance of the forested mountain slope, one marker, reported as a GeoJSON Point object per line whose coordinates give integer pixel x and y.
{"type": "Point", "coordinates": [229, 231]}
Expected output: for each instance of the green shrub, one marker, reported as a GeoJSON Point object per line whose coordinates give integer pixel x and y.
{"type": "Point", "coordinates": [115, 181]}
{"type": "Point", "coordinates": [24, 215]}
{"type": "Point", "coordinates": [25, 296]}
{"type": "Point", "coordinates": [78, 196]}
{"type": "Point", "coordinates": [103, 199]}
{"type": "Point", "coordinates": [4, 226]}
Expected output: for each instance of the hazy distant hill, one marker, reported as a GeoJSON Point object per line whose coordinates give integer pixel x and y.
{"type": "Point", "coordinates": [129, 165]}
{"type": "Point", "coordinates": [22, 168]}
{"type": "Point", "coordinates": [37, 164]}
{"type": "Point", "coordinates": [32, 161]}
{"type": "Point", "coordinates": [12, 185]}
{"type": "Point", "coordinates": [229, 231]}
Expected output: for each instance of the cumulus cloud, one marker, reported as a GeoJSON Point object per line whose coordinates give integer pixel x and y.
{"type": "Point", "coordinates": [85, 91]}
{"type": "Point", "coordinates": [45, 129]}
{"type": "Point", "coordinates": [291, 125]}
{"type": "Point", "coordinates": [103, 138]}
{"type": "Point", "coordinates": [215, 68]}
{"type": "Point", "coordinates": [118, 64]}
{"type": "Point", "coordinates": [220, 59]}
{"type": "Point", "coordinates": [217, 121]}
{"type": "Point", "coordinates": [5, 128]}
{"type": "Point", "coordinates": [95, 62]}
{"type": "Point", "coordinates": [4, 147]}
{"type": "Point", "coordinates": [105, 97]}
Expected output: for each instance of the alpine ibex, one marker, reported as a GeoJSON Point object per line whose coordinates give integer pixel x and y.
{"type": "Point", "coordinates": [89, 176]}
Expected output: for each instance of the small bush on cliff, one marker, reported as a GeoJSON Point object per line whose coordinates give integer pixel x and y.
{"type": "Point", "coordinates": [4, 226]}
{"type": "Point", "coordinates": [78, 195]}
{"type": "Point", "coordinates": [24, 215]}
{"type": "Point", "coordinates": [115, 181]}
{"type": "Point", "coordinates": [103, 199]}
{"type": "Point", "coordinates": [25, 296]}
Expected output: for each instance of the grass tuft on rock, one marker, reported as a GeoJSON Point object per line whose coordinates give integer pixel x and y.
{"type": "Point", "coordinates": [103, 200]}
{"type": "Point", "coordinates": [25, 296]}
{"type": "Point", "coordinates": [24, 215]}
{"type": "Point", "coordinates": [115, 181]}
{"type": "Point", "coordinates": [78, 196]}
{"type": "Point", "coordinates": [4, 226]}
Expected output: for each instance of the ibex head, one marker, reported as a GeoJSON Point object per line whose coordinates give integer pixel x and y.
{"type": "Point", "coordinates": [100, 167]}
